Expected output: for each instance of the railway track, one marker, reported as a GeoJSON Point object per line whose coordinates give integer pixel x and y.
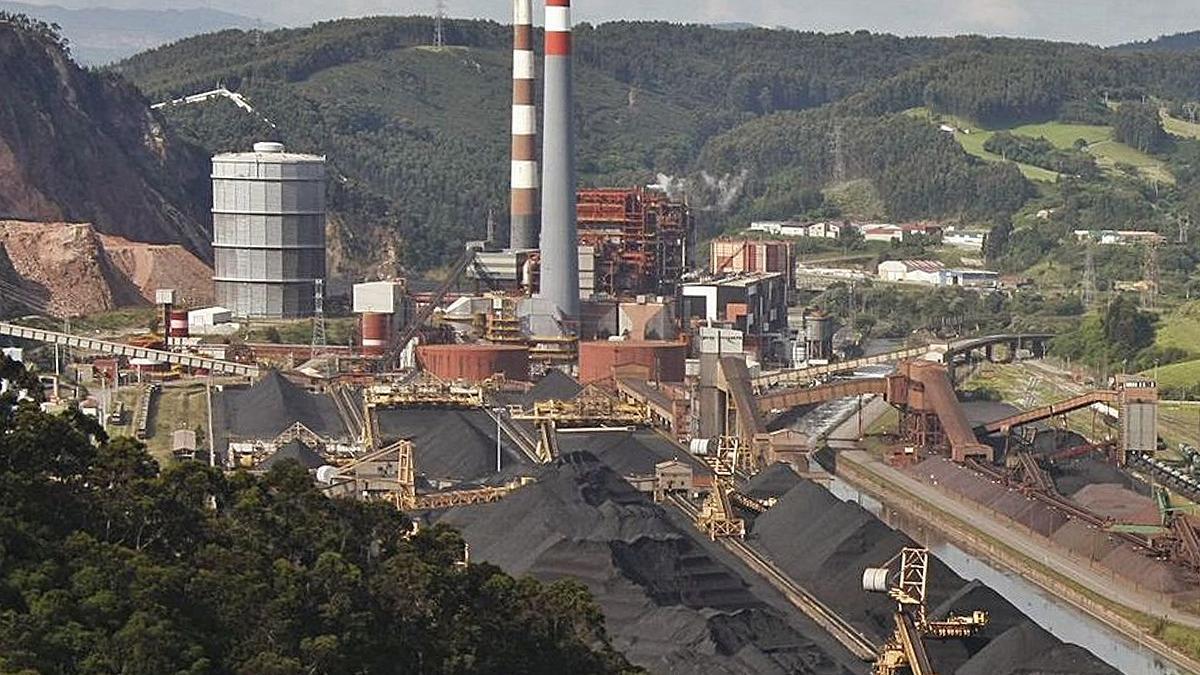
{"type": "Point", "coordinates": [841, 630]}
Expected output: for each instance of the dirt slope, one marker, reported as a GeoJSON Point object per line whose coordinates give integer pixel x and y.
{"type": "Point", "coordinates": [75, 270]}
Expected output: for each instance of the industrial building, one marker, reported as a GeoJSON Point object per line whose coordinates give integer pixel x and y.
{"type": "Point", "coordinates": [662, 361]}
{"type": "Point", "coordinates": [268, 231]}
{"type": "Point", "coordinates": [935, 273]}
{"type": "Point", "coordinates": [631, 242]}
{"type": "Point", "coordinates": [755, 304]}
{"type": "Point", "coordinates": [641, 238]}
{"type": "Point", "coordinates": [738, 256]}
{"type": "Point", "coordinates": [383, 308]}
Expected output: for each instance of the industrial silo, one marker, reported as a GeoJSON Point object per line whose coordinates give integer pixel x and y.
{"type": "Point", "coordinates": [268, 231]}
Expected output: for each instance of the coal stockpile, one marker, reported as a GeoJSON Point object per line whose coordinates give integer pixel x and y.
{"type": "Point", "coordinates": [629, 453]}
{"type": "Point", "coordinates": [774, 481]}
{"type": "Point", "coordinates": [825, 544]}
{"type": "Point", "coordinates": [670, 605]}
{"type": "Point", "coordinates": [270, 407]}
{"type": "Point", "coordinates": [1026, 649]}
{"type": "Point", "coordinates": [450, 445]}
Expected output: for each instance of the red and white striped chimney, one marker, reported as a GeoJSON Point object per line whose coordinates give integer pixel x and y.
{"type": "Point", "coordinates": [525, 206]}
{"type": "Point", "coordinates": [560, 240]}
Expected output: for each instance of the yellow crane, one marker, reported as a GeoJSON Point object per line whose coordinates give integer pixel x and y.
{"type": "Point", "coordinates": [904, 652]}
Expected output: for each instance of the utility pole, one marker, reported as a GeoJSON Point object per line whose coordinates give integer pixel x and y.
{"type": "Point", "coordinates": [1089, 275]}
{"type": "Point", "coordinates": [439, 37]}
{"type": "Point", "coordinates": [1150, 276]}
{"type": "Point", "coordinates": [319, 341]}
{"type": "Point", "coordinates": [1185, 228]}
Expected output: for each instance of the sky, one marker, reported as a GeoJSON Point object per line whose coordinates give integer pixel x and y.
{"type": "Point", "coordinates": [1102, 22]}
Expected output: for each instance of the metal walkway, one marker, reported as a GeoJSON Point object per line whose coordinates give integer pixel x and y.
{"type": "Point", "coordinates": [128, 351]}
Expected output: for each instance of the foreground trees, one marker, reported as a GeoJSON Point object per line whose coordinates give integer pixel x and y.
{"type": "Point", "coordinates": [108, 564]}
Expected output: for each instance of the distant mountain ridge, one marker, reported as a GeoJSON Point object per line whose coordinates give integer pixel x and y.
{"type": "Point", "coordinates": [1179, 42]}
{"type": "Point", "coordinates": [101, 35]}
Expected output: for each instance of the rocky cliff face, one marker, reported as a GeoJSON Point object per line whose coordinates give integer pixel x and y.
{"type": "Point", "coordinates": [81, 146]}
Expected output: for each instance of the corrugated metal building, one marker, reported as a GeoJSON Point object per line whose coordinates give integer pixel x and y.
{"type": "Point", "coordinates": [268, 231]}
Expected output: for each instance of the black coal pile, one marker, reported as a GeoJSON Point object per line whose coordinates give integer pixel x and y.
{"type": "Point", "coordinates": [774, 481]}
{"type": "Point", "coordinates": [670, 606]}
{"type": "Point", "coordinates": [450, 445]}
{"type": "Point", "coordinates": [628, 452]}
{"type": "Point", "coordinates": [1026, 649]}
{"type": "Point", "coordinates": [825, 544]}
{"type": "Point", "coordinates": [269, 408]}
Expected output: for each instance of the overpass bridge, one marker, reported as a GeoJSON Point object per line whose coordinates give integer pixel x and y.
{"type": "Point", "coordinates": [922, 388]}
{"type": "Point", "coordinates": [950, 353]}
{"type": "Point", "coordinates": [128, 351]}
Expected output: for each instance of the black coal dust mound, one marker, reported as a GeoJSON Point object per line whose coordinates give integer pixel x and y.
{"type": "Point", "coordinates": [670, 607]}
{"type": "Point", "coordinates": [774, 481]}
{"type": "Point", "coordinates": [825, 544]}
{"type": "Point", "coordinates": [449, 445]}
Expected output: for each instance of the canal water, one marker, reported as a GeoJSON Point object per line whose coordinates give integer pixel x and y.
{"type": "Point", "coordinates": [1060, 619]}
{"type": "Point", "coordinates": [1057, 617]}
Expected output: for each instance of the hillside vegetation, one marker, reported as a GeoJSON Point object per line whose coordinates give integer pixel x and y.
{"type": "Point", "coordinates": [750, 124]}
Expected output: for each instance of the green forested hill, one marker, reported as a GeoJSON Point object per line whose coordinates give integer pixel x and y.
{"type": "Point", "coordinates": [751, 123]}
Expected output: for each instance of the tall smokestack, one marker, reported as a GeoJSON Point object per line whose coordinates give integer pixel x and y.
{"type": "Point", "coordinates": [524, 132]}
{"type": "Point", "coordinates": [560, 239]}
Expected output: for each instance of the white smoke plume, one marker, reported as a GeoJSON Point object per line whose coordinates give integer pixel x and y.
{"type": "Point", "coordinates": [705, 192]}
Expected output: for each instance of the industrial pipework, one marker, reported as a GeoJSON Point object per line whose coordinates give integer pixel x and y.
{"type": "Point", "coordinates": [559, 239]}
{"type": "Point", "coordinates": [524, 205]}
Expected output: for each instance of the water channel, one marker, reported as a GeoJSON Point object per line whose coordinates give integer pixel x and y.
{"type": "Point", "coordinates": [1062, 620]}
{"type": "Point", "coordinates": [1059, 618]}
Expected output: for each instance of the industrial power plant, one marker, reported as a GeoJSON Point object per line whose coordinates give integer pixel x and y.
{"type": "Point", "coordinates": [681, 422]}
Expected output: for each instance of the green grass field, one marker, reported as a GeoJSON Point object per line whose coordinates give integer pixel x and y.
{"type": "Point", "coordinates": [1108, 153]}
{"type": "Point", "coordinates": [857, 199]}
{"type": "Point", "coordinates": [1178, 375]}
{"type": "Point", "coordinates": [1180, 328]}
{"type": "Point", "coordinates": [1178, 127]}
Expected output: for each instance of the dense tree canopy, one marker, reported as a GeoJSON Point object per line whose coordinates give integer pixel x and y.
{"type": "Point", "coordinates": [1112, 339]}
{"type": "Point", "coordinates": [108, 564]}
{"type": "Point", "coordinates": [1138, 125]}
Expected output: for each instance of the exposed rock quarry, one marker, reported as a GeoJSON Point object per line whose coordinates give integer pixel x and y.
{"type": "Point", "coordinates": [71, 269]}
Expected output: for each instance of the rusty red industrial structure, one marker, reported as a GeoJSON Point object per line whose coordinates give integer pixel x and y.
{"type": "Point", "coordinates": [930, 414]}
{"type": "Point", "coordinates": [641, 237]}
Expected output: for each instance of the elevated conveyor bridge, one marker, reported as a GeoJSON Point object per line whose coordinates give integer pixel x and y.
{"type": "Point", "coordinates": [128, 351]}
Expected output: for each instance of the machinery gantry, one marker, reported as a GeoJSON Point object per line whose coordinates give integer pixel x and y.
{"type": "Point", "coordinates": [389, 474]}
{"type": "Point", "coordinates": [589, 410]}
{"type": "Point", "coordinates": [904, 652]}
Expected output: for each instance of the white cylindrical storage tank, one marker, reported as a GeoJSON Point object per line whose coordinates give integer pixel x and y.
{"type": "Point", "coordinates": [875, 579]}
{"type": "Point", "coordinates": [701, 447]}
{"type": "Point", "coordinates": [268, 231]}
